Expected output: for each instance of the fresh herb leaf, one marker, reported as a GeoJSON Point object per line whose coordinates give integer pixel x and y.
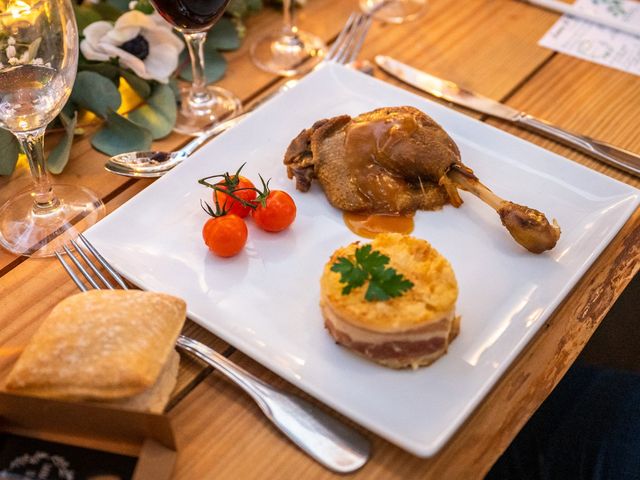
{"type": "Point", "coordinates": [353, 276]}
{"type": "Point", "coordinates": [370, 265]}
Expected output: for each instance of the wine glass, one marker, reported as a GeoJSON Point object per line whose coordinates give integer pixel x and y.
{"type": "Point", "coordinates": [202, 105]}
{"type": "Point", "coordinates": [38, 63]}
{"type": "Point", "coordinates": [288, 51]}
{"type": "Point", "coordinates": [394, 11]}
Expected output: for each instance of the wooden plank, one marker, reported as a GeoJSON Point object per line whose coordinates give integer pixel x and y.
{"type": "Point", "coordinates": [585, 98]}
{"type": "Point", "coordinates": [489, 47]}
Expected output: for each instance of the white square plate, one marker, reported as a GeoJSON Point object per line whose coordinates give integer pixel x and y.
{"type": "Point", "coordinates": [265, 300]}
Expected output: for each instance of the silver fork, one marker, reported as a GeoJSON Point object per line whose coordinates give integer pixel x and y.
{"type": "Point", "coordinates": [349, 41]}
{"type": "Point", "coordinates": [152, 164]}
{"type": "Point", "coordinates": [333, 444]}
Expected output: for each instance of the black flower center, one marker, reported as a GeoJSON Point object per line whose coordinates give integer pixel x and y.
{"type": "Point", "coordinates": [138, 47]}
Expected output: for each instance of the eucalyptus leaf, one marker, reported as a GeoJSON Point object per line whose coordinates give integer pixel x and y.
{"type": "Point", "coordinates": [223, 36]}
{"type": "Point", "coordinates": [69, 109]}
{"type": "Point", "coordinates": [139, 85]}
{"type": "Point", "coordinates": [59, 156]}
{"type": "Point", "coordinates": [122, 5]}
{"type": "Point", "coordinates": [9, 150]}
{"type": "Point", "coordinates": [158, 115]}
{"type": "Point", "coordinates": [107, 11]}
{"type": "Point", "coordinates": [85, 16]}
{"type": "Point", "coordinates": [175, 88]}
{"type": "Point", "coordinates": [95, 93]}
{"type": "Point", "coordinates": [238, 8]}
{"type": "Point", "coordinates": [120, 135]}
{"type": "Point", "coordinates": [144, 6]}
{"type": "Point", "coordinates": [109, 70]}
{"type": "Point", "coordinates": [215, 66]}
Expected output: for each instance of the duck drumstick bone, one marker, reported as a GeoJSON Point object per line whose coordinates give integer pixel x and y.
{"type": "Point", "coordinates": [529, 227]}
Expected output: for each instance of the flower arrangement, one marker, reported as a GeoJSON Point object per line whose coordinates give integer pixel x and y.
{"type": "Point", "coordinates": [128, 50]}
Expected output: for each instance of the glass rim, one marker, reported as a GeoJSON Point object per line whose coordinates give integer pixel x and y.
{"type": "Point", "coordinates": [36, 5]}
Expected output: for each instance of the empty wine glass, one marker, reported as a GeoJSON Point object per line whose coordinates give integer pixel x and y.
{"type": "Point", "coordinates": [288, 51]}
{"type": "Point", "coordinates": [394, 11]}
{"type": "Point", "coordinates": [38, 63]}
{"type": "Point", "coordinates": [202, 105]}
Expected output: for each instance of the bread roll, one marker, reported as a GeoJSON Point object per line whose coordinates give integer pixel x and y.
{"type": "Point", "coordinates": [104, 345]}
{"type": "Point", "coordinates": [411, 330]}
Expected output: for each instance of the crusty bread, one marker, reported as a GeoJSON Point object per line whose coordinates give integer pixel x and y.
{"type": "Point", "coordinates": [155, 398]}
{"type": "Point", "coordinates": [101, 345]}
{"type": "Point", "coordinates": [411, 330]}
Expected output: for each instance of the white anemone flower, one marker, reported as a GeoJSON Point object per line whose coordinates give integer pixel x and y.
{"type": "Point", "coordinates": [143, 43]}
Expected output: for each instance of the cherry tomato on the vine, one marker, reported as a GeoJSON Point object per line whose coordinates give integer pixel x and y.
{"type": "Point", "coordinates": [225, 235]}
{"type": "Point", "coordinates": [275, 212]}
{"type": "Point", "coordinates": [242, 188]}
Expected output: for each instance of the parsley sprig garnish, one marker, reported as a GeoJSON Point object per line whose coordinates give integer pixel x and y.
{"type": "Point", "coordinates": [367, 265]}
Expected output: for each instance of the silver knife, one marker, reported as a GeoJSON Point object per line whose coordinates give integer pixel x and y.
{"type": "Point", "coordinates": [614, 156]}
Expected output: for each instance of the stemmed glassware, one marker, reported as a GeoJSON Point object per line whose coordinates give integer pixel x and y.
{"type": "Point", "coordinates": [202, 105]}
{"type": "Point", "coordinates": [394, 11]}
{"type": "Point", "coordinates": [288, 51]}
{"type": "Point", "coordinates": [38, 64]}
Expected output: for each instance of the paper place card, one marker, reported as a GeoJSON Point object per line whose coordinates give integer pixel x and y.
{"type": "Point", "coordinates": [597, 43]}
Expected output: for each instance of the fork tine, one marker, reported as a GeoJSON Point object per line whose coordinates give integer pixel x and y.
{"type": "Point", "coordinates": [116, 276]}
{"type": "Point", "coordinates": [353, 42]}
{"type": "Point", "coordinates": [337, 44]}
{"type": "Point", "coordinates": [347, 40]}
{"type": "Point", "coordinates": [79, 266]}
{"type": "Point", "coordinates": [359, 37]}
{"type": "Point", "coordinates": [71, 273]}
{"type": "Point", "coordinates": [91, 265]}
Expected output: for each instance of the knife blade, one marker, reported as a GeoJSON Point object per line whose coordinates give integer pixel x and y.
{"type": "Point", "coordinates": [451, 92]}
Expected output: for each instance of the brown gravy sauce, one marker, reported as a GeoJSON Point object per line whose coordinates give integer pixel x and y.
{"type": "Point", "coordinates": [364, 143]}
{"type": "Point", "coordinates": [370, 225]}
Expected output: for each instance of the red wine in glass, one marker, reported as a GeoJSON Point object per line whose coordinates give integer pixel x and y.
{"type": "Point", "coordinates": [202, 105]}
{"type": "Point", "coordinates": [191, 15]}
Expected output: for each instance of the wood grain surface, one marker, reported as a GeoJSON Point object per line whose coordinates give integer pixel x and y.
{"type": "Point", "coordinates": [486, 45]}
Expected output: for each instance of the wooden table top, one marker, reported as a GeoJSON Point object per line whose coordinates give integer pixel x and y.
{"type": "Point", "coordinates": [488, 46]}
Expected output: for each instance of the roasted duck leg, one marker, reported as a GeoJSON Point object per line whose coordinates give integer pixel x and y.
{"type": "Point", "coordinates": [529, 227]}
{"type": "Point", "coordinates": [398, 160]}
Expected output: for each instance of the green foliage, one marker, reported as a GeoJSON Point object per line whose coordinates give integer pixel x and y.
{"type": "Point", "coordinates": [223, 36]}
{"type": "Point", "coordinates": [120, 135]}
{"type": "Point", "coordinates": [139, 85]}
{"type": "Point", "coordinates": [85, 15]}
{"type": "Point", "coordinates": [214, 67]}
{"type": "Point", "coordinates": [242, 8]}
{"type": "Point", "coordinates": [9, 150]}
{"type": "Point", "coordinates": [370, 265]}
{"type": "Point", "coordinates": [96, 88]}
{"type": "Point", "coordinates": [122, 5]}
{"type": "Point", "coordinates": [109, 70]}
{"type": "Point", "coordinates": [158, 115]}
{"type": "Point", "coordinates": [95, 93]}
{"type": "Point", "coordinates": [59, 156]}
{"type": "Point", "coordinates": [107, 11]}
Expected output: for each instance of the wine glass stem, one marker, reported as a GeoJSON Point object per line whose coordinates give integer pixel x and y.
{"type": "Point", "coordinates": [199, 96]}
{"type": "Point", "coordinates": [289, 18]}
{"type": "Point", "coordinates": [32, 143]}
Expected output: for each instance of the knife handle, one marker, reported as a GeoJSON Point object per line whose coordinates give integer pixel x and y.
{"type": "Point", "coordinates": [614, 156]}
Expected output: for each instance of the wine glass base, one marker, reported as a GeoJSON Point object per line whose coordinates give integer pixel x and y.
{"type": "Point", "coordinates": [195, 121]}
{"type": "Point", "coordinates": [394, 11]}
{"type": "Point", "coordinates": [25, 232]}
{"type": "Point", "coordinates": [288, 53]}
